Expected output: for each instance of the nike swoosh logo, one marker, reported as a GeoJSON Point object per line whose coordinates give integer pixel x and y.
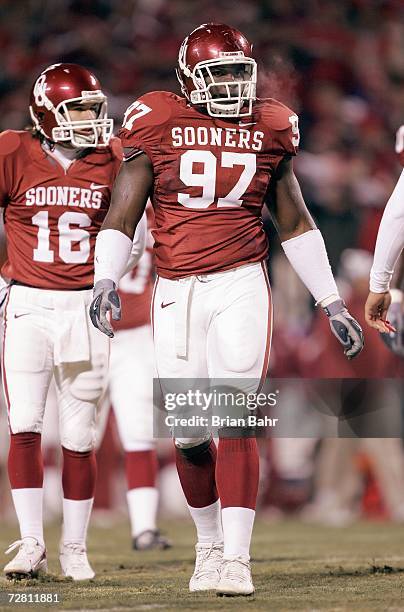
{"type": "Point", "coordinates": [23, 314]}
{"type": "Point", "coordinates": [165, 305]}
{"type": "Point", "coordinates": [95, 186]}
{"type": "Point", "coordinates": [247, 124]}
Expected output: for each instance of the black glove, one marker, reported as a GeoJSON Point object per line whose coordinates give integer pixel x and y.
{"type": "Point", "coordinates": [345, 328]}
{"type": "Point", "coordinates": [106, 299]}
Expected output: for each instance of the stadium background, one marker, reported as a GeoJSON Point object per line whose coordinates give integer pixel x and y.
{"type": "Point", "coordinates": [340, 66]}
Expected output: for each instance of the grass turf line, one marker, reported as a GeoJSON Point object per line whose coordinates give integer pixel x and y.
{"type": "Point", "coordinates": [295, 567]}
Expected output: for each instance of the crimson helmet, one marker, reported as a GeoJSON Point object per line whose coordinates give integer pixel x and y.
{"type": "Point", "coordinates": [209, 46]}
{"type": "Point", "coordinates": [56, 87]}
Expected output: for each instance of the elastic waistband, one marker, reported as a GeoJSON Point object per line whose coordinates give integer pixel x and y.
{"type": "Point", "coordinates": [49, 298]}
{"type": "Point", "coordinates": [212, 275]}
{"type": "Point", "coordinates": [15, 282]}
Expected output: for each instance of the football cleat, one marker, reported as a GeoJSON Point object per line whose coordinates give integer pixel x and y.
{"type": "Point", "coordinates": [74, 562]}
{"type": "Point", "coordinates": [206, 575]}
{"type": "Point", "coordinates": [235, 577]}
{"type": "Point", "coordinates": [28, 562]}
{"type": "Point", "coordinates": [151, 539]}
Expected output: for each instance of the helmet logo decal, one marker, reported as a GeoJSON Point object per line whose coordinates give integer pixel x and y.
{"type": "Point", "coordinates": [40, 96]}
{"type": "Point", "coordinates": [182, 57]}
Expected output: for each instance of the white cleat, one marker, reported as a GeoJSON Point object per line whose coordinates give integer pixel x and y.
{"type": "Point", "coordinates": [208, 561]}
{"type": "Point", "coordinates": [28, 562]}
{"type": "Point", "coordinates": [74, 561]}
{"type": "Point", "coordinates": [235, 577]}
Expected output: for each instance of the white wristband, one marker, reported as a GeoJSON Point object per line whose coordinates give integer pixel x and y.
{"type": "Point", "coordinates": [308, 256]}
{"type": "Point", "coordinates": [112, 251]}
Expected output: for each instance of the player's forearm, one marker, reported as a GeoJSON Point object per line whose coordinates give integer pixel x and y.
{"type": "Point", "coordinates": [308, 256]}
{"type": "Point", "coordinates": [112, 252]}
{"type": "Point", "coordinates": [390, 240]}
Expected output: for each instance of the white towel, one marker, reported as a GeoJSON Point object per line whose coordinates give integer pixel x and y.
{"type": "Point", "coordinates": [73, 340]}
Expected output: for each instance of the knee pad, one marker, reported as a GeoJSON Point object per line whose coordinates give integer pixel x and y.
{"type": "Point", "coordinates": [26, 421]}
{"type": "Point", "coordinates": [79, 441]}
{"type": "Point", "coordinates": [190, 447]}
{"type": "Point", "coordinates": [88, 386]}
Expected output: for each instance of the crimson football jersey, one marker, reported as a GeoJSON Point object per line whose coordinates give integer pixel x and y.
{"type": "Point", "coordinates": [52, 216]}
{"type": "Point", "coordinates": [210, 179]}
{"type": "Point", "coordinates": [136, 287]}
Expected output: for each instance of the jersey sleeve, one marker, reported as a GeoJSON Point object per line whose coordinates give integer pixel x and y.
{"type": "Point", "coordinates": [283, 128]}
{"type": "Point", "coordinates": [143, 124]}
{"type": "Point", "coordinates": [9, 143]}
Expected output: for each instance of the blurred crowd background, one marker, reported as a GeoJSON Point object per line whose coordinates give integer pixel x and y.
{"type": "Point", "coordinates": [340, 66]}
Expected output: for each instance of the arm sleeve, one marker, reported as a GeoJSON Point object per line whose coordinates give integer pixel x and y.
{"type": "Point", "coordinates": [9, 143]}
{"type": "Point", "coordinates": [138, 244]}
{"type": "Point", "coordinates": [308, 256]}
{"type": "Point", "coordinates": [390, 240]}
{"type": "Point", "coordinates": [112, 252]}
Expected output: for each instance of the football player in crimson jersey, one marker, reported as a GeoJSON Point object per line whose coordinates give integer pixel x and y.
{"type": "Point", "coordinates": [209, 161]}
{"type": "Point", "coordinates": [389, 246]}
{"type": "Point", "coordinates": [55, 186]}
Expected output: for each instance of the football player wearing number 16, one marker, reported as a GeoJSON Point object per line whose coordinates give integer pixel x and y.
{"type": "Point", "coordinates": [55, 186]}
{"type": "Point", "coordinates": [210, 160]}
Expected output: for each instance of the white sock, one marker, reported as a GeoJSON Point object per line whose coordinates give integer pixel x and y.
{"type": "Point", "coordinates": [28, 507]}
{"type": "Point", "coordinates": [208, 523]}
{"type": "Point", "coordinates": [142, 503]}
{"type": "Point", "coordinates": [76, 516]}
{"type": "Point", "coordinates": [237, 528]}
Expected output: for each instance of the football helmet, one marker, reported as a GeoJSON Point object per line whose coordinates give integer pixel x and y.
{"type": "Point", "coordinates": [55, 88]}
{"type": "Point", "coordinates": [215, 69]}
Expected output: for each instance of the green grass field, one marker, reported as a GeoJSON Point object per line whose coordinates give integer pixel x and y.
{"type": "Point", "coordinates": [296, 567]}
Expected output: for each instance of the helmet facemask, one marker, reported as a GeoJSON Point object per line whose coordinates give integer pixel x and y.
{"type": "Point", "coordinates": [70, 131]}
{"type": "Point", "coordinates": [223, 98]}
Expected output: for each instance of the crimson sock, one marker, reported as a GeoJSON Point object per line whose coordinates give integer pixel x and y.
{"type": "Point", "coordinates": [196, 471]}
{"type": "Point", "coordinates": [25, 467]}
{"type": "Point", "coordinates": [25, 470]}
{"type": "Point", "coordinates": [79, 474]}
{"type": "Point", "coordinates": [141, 468]}
{"type": "Point", "coordinates": [237, 472]}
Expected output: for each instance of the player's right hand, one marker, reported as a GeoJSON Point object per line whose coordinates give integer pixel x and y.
{"type": "Point", "coordinates": [106, 299]}
{"type": "Point", "coordinates": [376, 308]}
{"type": "Point", "coordinates": [345, 328]}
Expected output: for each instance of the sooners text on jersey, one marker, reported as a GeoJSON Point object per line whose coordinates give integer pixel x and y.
{"type": "Point", "coordinates": [52, 216]}
{"type": "Point", "coordinates": [211, 178]}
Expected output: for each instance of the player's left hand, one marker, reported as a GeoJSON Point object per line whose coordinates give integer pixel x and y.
{"type": "Point", "coordinates": [345, 328]}
{"type": "Point", "coordinates": [106, 299]}
{"type": "Point", "coordinates": [376, 308]}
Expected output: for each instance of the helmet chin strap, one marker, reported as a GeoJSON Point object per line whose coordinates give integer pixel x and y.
{"type": "Point", "coordinates": [227, 109]}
